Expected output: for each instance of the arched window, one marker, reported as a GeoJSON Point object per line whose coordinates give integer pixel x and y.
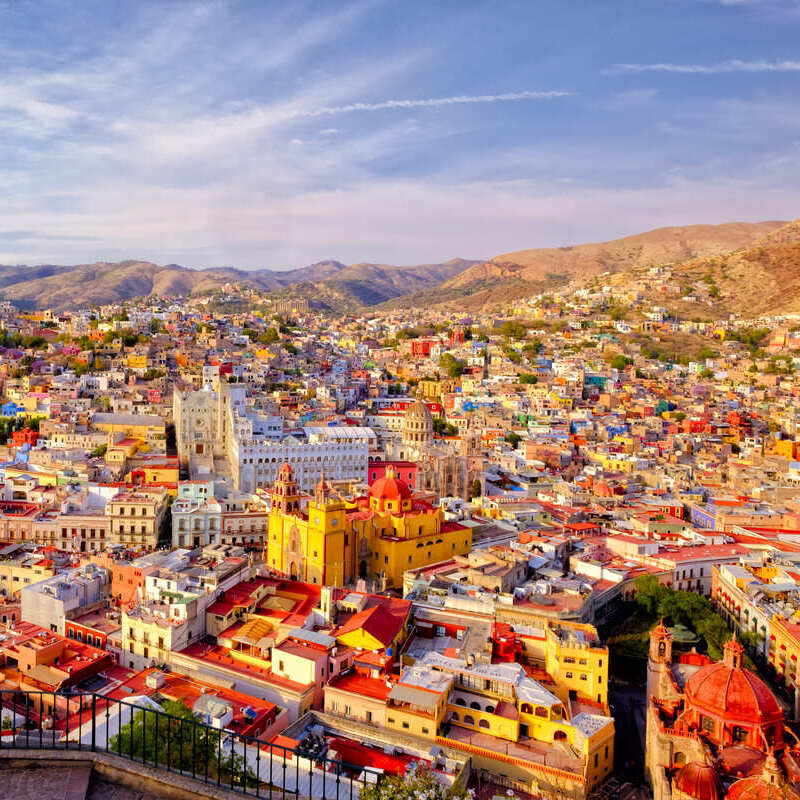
{"type": "Point", "coordinates": [484, 723]}
{"type": "Point", "coordinates": [460, 701]}
{"type": "Point", "coordinates": [474, 704]}
{"type": "Point", "coordinates": [526, 708]}
{"type": "Point", "coordinates": [469, 719]}
{"type": "Point", "coordinates": [559, 736]}
{"type": "Point", "coordinates": [454, 716]}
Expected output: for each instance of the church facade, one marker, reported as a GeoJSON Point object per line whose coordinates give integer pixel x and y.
{"type": "Point", "coordinates": [377, 537]}
{"type": "Point", "coordinates": [714, 729]}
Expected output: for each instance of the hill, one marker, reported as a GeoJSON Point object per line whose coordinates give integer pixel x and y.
{"type": "Point", "coordinates": [760, 279]}
{"type": "Point", "coordinates": [64, 287]}
{"type": "Point", "coordinates": [531, 271]}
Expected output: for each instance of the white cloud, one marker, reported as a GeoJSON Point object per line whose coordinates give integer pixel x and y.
{"type": "Point", "coordinates": [734, 65]}
{"type": "Point", "coordinates": [432, 102]}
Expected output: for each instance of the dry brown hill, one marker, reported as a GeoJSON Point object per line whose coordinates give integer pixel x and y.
{"type": "Point", "coordinates": [660, 246]}
{"type": "Point", "coordinates": [61, 288]}
{"type": "Point", "coordinates": [756, 280]}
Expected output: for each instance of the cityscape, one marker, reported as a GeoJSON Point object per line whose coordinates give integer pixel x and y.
{"type": "Point", "coordinates": [400, 401]}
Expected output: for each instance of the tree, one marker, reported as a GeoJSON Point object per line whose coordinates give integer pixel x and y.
{"type": "Point", "coordinates": [451, 365]}
{"type": "Point", "coordinates": [512, 355]}
{"type": "Point", "coordinates": [444, 428]}
{"type": "Point", "coordinates": [475, 489]}
{"type": "Point", "coordinates": [513, 330]}
{"type": "Point", "coordinates": [270, 336]}
{"type": "Point", "coordinates": [528, 377]}
{"type": "Point", "coordinates": [180, 741]}
{"type": "Point", "coordinates": [532, 349]}
{"type": "Point", "coordinates": [420, 785]}
{"type": "Point", "coordinates": [99, 451]}
{"type": "Point", "coordinates": [620, 362]}
{"type": "Point", "coordinates": [513, 439]}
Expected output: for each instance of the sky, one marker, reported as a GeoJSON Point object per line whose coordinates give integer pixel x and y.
{"type": "Point", "coordinates": [277, 134]}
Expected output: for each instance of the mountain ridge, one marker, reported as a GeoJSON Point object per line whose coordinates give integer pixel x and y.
{"type": "Point", "coordinates": [61, 287]}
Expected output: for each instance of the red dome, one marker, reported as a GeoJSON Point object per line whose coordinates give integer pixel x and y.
{"type": "Point", "coordinates": [699, 781]}
{"type": "Point", "coordinates": [389, 488]}
{"type": "Point", "coordinates": [733, 693]}
{"type": "Point", "coordinates": [756, 788]}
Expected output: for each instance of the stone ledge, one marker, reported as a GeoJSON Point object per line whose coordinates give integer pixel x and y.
{"type": "Point", "coordinates": [142, 777]}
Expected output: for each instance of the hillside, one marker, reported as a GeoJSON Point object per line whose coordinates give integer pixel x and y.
{"type": "Point", "coordinates": [63, 287]}
{"type": "Point", "coordinates": [531, 270]}
{"type": "Point", "coordinates": [756, 280]}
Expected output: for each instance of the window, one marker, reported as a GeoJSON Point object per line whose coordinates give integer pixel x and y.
{"type": "Point", "coordinates": [707, 724]}
{"type": "Point", "coordinates": [405, 725]}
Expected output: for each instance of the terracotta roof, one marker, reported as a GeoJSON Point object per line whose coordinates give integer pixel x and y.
{"type": "Point", "coordinates": [699, 781]}
{"type": "Point", "coordinates": [733, 693]}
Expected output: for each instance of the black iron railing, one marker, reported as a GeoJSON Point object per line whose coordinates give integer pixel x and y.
{"type": "Point", "coordinates": [148, 735]}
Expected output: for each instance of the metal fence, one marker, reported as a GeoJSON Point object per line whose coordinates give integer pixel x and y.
{"type": "Point", "coordinates": [144, 733]}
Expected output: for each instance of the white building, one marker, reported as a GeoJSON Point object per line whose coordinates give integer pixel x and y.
{"type": "Point", "coordinates": [212, 424]}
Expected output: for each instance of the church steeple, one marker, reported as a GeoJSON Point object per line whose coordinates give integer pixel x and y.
{"type": "Point", "coordinates": [661, 644]}
{"type": "Point", "coordinates": [733, 654]}
{"type": "Point", "coordinates": [285, 494]}
{"type": "Point", "coordinates": [322, 491]}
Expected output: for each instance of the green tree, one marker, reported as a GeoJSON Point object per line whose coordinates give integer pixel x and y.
{"type": "Point", "coordinates": [513, 330]}
{"type": "Point", "coordinates": [444, 428]}
{"type": "Point", "coordinates": [528, 377]}
{"type": "Point", "coordinates": [513, 439]}
{"type": "Point", "coordinates": [422, 785]}
{"type": "Point", "coordinates": [451, 365]}
{"type": "Point", "coordinates": [270, 336]}
{"type": "Point", "coordinates": [532, 349]}
{"type": "Point", "coordinates": [620, 362]}
{"type": "Point", "coordinates": [475, 489]}
{"type": "Point", "coordinates": [180, 741]}
{"type": "Point", "coordinates": [512, 355]}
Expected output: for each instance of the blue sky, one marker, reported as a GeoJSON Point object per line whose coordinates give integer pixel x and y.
{"type": "Point", "coordinates": [275, 134]}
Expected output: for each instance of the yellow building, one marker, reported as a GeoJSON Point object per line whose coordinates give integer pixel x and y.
{"type": "Point", "coordinates": [148, 428]}
{"type": "Point", "coordinates": [137, 517]}
{"type": "Point", "coordinates": [149, 639]}
{"type": "Point", "coordinates": [378, 536]}
{"type": "Point", "coordinates": [137, 361]}
{"type": "Point", "coordinates": [312, 547]}
{"type": "Point", "coordinates": [17, 573]}
{"type": "Point", "coordinates": [784, 649]}
{"type": "Point", "coordinates": [513, 714]}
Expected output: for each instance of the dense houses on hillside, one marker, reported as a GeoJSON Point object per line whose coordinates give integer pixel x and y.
{"type": "Point", "coordinates": [391, 539]}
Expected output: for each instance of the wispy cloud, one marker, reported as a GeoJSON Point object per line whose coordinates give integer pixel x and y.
{"type": "Point", "coordinates": [734, 65]}
{"type": "Point", "coordinates": [431, 102]}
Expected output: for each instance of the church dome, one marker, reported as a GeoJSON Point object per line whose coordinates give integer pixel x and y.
{"type": "Point", "coordinates": [725, 689]}
{"type": "Point", "coordinates": [417, 424]}
{"type": "Point", "coordinates": [390, 488]}
{"type": "Point", "coordinates": [699, 781]}
{"type": "Point", "coordinates": [756, 788]}
{"type": "Point", "coordinates": [418, 410]}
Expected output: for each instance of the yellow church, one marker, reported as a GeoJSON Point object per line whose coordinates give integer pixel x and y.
{"type": "Point", "coordinates": [375, 537]}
